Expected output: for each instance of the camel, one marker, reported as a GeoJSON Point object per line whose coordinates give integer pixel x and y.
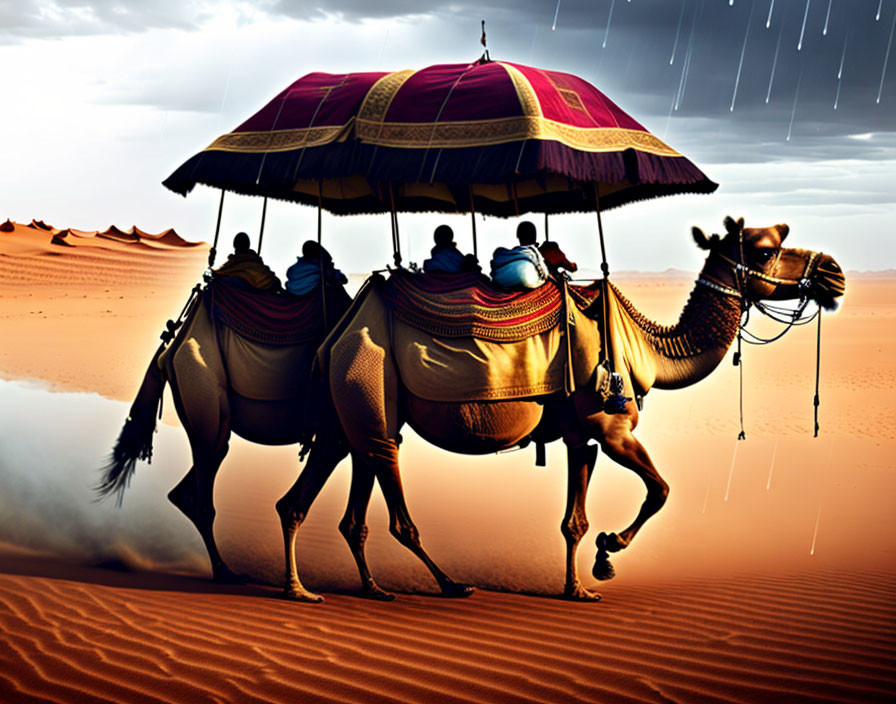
{"type": "Point", "coordinates": [373, 402]}
{"type": "Point", "coordinates": [200, 367]}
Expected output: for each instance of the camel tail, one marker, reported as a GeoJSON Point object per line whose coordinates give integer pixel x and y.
{"type": "Point", "coordinates": [135, 440]}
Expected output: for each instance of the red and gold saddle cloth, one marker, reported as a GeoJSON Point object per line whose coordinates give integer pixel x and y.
{"type": "Point", "coordinates": [267, 318]}
{"type": "Point", "coordinates": [466, 305]}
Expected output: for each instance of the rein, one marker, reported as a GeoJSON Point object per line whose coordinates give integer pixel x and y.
{"type": "Point", "coordinates": [789, 317]}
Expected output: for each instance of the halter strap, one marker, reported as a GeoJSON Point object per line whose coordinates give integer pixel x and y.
{"type": "Point", "coordinates": [803, 281]}
{"type": "Point", "coordinates": [716, 286]}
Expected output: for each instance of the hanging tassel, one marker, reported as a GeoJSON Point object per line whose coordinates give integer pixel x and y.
{"type": "Point", "coordinates": [616, 401]}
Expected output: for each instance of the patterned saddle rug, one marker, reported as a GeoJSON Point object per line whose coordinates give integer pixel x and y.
{"type": "Point", "coordinates": [455, 338]}
{"type": "Point", "coordinates": [465, 305]}
{"type": "Point", "coordinates": [267, 318]}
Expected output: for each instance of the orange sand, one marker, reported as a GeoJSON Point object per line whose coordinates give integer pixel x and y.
{"type": "Point", "coordinates": [721, 597]}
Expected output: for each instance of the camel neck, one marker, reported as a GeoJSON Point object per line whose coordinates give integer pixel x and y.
{"type": "Point", "coordinates": [685, 353]}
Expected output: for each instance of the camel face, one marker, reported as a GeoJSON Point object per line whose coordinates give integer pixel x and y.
{"type": "Point", "coordinates": [771, 272]}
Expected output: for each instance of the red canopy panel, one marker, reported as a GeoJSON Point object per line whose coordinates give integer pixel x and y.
{"type": "Point", "coordinates": [315, 110]}
{"type": "Point", "coordinates": [464, 105]}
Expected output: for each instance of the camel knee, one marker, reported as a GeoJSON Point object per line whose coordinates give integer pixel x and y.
{"type": "Point", "coordinates": [406, 533]}
{"type": "Point", "coordinates": [289, 516]}
{"type": "Point", "coordinates": [575, 527]}
{"type": "Point", "coordinates": [657, 493]}
{"type": "Point", "coordinates": [355, 533]}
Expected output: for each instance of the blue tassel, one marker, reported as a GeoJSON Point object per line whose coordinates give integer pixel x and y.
{"type": "Point", "coordinates": [616, 403]}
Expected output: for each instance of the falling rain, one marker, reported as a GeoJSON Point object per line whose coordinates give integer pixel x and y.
{"type": "Point", "coordinates": [840, 71]}
{"type": "Point", "coordinates": [677, 32]}
{"type": "Point", "coordinates": [774, 64]}
{"type": "Point", "coordinates": [883, 72]}
{"type": "Point", "coordinates": [799, 46]}
{"type": "Point", "coordinates": [742, 52]}
{"type": "Point", "coordinates": [609, 17]}
{"type": "Point", "coordinates": [796, 96]}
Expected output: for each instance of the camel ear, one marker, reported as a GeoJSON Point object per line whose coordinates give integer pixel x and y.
{"type": "Point", "coordinates": [783, 230]}
{"type": "Point", "coordinates": [700, 238]}
{"type": "Point", "coordinates": [733, 227]}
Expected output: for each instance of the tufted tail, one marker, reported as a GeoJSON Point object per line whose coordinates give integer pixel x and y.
{"type": "Point", "coordinates": [135, 440]}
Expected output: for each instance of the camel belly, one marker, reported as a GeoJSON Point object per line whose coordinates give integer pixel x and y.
{"type": "Point", "coordinates": [473, 428]}
{"type": "Point", "coordinates": [266, 422]}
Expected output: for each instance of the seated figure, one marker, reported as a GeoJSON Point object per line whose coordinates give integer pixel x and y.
{"type": "Point", "coordinates": [304, 276]}
{"type": "Point", "coordinates": [521, 266]}
{"type": "Point", "coordinates": [247, 267]}
{"type": "Point", "coordinates": [445, 258]}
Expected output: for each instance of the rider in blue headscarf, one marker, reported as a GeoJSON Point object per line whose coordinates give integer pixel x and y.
{"type": "Point", "coordinates": [304, 276]}
{"type": "Point", "coordinates": [445, 258]}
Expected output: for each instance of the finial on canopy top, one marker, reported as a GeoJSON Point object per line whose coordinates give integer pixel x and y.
{"type": "Point", "coordinates": [485, 58]}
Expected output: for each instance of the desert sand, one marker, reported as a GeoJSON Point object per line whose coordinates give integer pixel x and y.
{"type": "Point", "coordinates": [770, 575]}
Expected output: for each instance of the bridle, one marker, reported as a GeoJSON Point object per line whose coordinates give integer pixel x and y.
{"type": "Point", "coordinates": [789, 317]}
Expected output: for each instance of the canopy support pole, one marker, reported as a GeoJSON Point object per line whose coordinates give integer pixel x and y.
{"type": "Point", "coordinates": [605, 283]}
{"type": "Point", "coordinates": [547, 233]}
{"type": "Point", "coordinates": [473, 220]}
{"type": "Point", "coordinates": [320, 254]}
{"type": "Point", "coordinates": [214, 250]}
{"type": "Point", "coordinates": [396, 242]}
{"type": "Point", "coordinates": [604, 267]}
{"type": "Point", "coordinates": [264, 212]}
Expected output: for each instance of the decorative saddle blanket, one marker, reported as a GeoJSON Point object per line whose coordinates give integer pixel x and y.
{"type": "Point", "coordinates": [465, 305]}
{"type": "Point", "coordinates": [267, 318]}
{"type": "Point", "coordinates": [461, 366]}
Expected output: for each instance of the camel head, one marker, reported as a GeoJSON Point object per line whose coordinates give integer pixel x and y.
{"type": "Point", "coordinates": [752, 261]}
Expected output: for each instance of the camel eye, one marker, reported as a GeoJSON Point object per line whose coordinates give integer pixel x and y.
{"type": "Point", "coordinates": [763, 255]}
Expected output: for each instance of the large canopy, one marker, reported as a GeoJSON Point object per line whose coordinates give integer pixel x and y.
{"type": "Point", "coordinates": [491, 136]}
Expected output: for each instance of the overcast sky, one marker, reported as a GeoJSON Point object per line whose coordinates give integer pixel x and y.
{"type": "Point", "coordinates": [102, 100]}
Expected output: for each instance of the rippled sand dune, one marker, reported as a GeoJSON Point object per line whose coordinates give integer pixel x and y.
{"type": "Point", "coordinates": [80, 634]}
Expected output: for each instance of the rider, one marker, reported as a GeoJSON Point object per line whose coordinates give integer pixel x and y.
{"type": "Point", "coordinates": [521, 266]}
{"type": "Point", "coordinates": [304, 276]}
{"type": "Point", "coordinates": [246, 267]}
{"type": "Point", "coordinates": [445, 258]}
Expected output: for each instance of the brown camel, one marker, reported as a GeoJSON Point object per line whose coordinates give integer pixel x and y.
{"type": "Point", "coordinates": [373, 401]}
{"type": "Point", "coordinates": [203, 364]}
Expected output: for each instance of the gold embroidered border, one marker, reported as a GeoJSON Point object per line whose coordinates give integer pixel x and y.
{"type": "Point", "coordinates": [420, 135]}
{"type": "Point", "coordinates": [525, 93]}
{"type": "Point", "coordinates": [379, 97]}
{"type": "Point", "coordinates": [280, 140]}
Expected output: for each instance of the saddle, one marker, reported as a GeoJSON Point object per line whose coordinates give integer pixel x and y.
{"type": "Point", "coordinates": [264, 317]}
{"type": "Point", "coordinates": [455, 338]}
{"type": "Point", "coordinates": [268, 340]}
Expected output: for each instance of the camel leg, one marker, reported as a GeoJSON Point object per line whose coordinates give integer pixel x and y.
{"type": "Point", "coordinates": [580, 462]}
{"type": "Point", "coordinates": [353, 526]}
{"type": "Point", "coordinates": [294, 506]}
{"type": "Point", "coordinates": [207, 422]}
{"type": "Point", "coordinates": [193, 496]}
{"type": "Point", "coordinates": [622, 447]}
{"type": "Point", "coordinates": [405, 531]}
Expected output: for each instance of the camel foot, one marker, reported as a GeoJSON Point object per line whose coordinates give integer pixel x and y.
{"type": "Point", "coordinates": [576, 592]}
{"type": "Point", "coordinates": [603, 569]}
{"type": "Point", "coordinates": [299, 593]}
{"type": "Point", "coordinates": [373, 591]}
{"type": "Point", "coordinates": [456, 590]}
